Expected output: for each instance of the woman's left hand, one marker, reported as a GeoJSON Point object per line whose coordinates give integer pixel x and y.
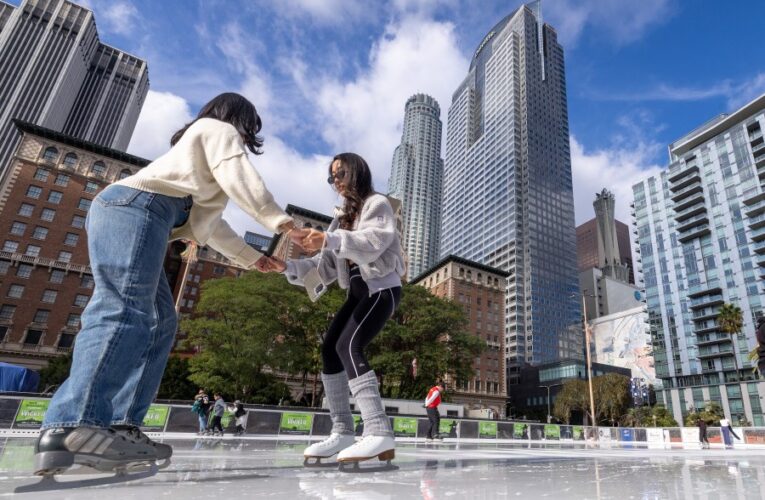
{"type": "Point", "coordinates": [313, 241]}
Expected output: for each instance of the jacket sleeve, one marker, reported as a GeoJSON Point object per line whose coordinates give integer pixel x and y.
{"type": "Point", "coordinates": [432, 397]}
{"type": "Point", "coordinates": [376, 231]}
{"type": "Point", "coordinates": [243, 184]}
{"type": "Point", "coordinates": [325, 262]}
{"type": "Point", "coordinates": [232, 246]}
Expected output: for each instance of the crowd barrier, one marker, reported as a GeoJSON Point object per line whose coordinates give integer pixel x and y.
{"type": "Point", "coordinates": [18, 413]}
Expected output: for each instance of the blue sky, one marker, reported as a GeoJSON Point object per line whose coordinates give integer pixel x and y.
{"type": "Point", "coordinates": [333, 75]}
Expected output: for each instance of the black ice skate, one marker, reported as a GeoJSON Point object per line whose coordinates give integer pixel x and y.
{"type": "Point", "coordinates": [103, 450]}
{"type": "Point", "coordinates": [133, 433]}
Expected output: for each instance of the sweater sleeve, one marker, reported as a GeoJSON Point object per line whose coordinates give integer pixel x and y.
{"type": "Point", "coordinates": [376, 231]}
{"type": "Point", "coordinates": [226, 241]}
{"type": "Point", "coordinates": [243, 184]}
{"type": "Point", "coordinates": [326, 264]}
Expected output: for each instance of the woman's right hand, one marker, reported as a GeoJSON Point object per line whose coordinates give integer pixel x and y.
{"type": "Point", "coordinates": [276, 265]}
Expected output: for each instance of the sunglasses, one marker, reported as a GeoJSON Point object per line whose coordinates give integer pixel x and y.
{"type": "Point", "coordinates": [339, 175]}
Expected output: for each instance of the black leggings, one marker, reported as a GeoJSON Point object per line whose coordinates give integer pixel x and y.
{"type": "Point", "coordinates": [355, 325]}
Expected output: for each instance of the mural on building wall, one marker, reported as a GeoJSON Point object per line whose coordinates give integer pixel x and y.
{"type": "Point", "coordinates": [623, 340]}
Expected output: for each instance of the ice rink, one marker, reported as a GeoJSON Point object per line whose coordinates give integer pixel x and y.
{"type": "Point", "coordinates": [230, 468]}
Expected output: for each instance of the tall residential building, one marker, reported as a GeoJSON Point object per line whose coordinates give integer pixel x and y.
{"type": "Point", "coordinates": [508, 196]}
{"type": "Point", "coordinates": [701, 234]}
{"type": "Point", "coordinates": [54, 72]}
{"type": "Point", "coordinates": [479, 290]}
{"type": "Point", "coordinates": [415, 180]}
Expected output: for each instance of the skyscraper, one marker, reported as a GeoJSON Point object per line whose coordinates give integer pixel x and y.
{"type": "Point", "coordinates": [700, 228]}
{"type": "Point", "coordinates": [415, 179]}
{"type": "Point", "coordinates": [54, 72]}
{"type": "Point", "coordinates": [508, 196]}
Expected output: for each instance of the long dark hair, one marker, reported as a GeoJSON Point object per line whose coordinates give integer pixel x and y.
{"type": "Point", "coordinates": [235, 109]}
{"type": "Point", "coordinates": [358, 180]}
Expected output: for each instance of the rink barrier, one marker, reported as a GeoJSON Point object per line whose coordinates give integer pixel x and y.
{"type": "Point", "coordinates": [26, 414]}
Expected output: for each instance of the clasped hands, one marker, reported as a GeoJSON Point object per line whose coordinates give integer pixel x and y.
{"type": "Point", "coordinates": [308, 239]}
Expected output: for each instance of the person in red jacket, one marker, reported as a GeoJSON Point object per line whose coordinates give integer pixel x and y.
{"type": "Point", "coordinates": [431, 406]}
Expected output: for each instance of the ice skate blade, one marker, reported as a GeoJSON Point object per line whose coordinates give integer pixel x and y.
{"type": "Point", "coordinates": [356, 468]}
{"type": "Point", "coordinates": [49, 483]}
{"type": "Point", "coordinates": [317, 463]}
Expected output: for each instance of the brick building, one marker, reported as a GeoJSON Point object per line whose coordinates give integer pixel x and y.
{"type": "Point", "coordinates": [480, 291]}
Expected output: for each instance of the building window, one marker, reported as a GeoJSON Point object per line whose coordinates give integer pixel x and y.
{"type": "Point", "coordinates": [50, 155]}
{"type": "Point", "coordinates": [219, 270]}
{"type": "Point", "coordinates": [18, 228]}
{"type": "Point", "coordinates": [33, 337]}
{"type": "Point", "coordinates": [10, 246]}
{"type": "Point", "coordinates": [57, 276]}
{"type": "Point", "coordinates": [86, 281]}
{"type": "Point", "coordinates": [41, 175]}
{"type": "Point", "coordinates": [70, 161]}
{"type": "Point", "coordinates": [78, 221]}
{"type": "Point", "coordinates": [41, 316]}
{"type": "Point", "coordinates": [6, 312]}
{"type": "Point", "coordinates": [73, 321]}
{"type": "Point", "coordinates": [48, 214]}
{"type": "Point", "coordinates": [81, 300]}
{"type": "Point", "coordinates": [125, 172]}
{"type": "Point", "coordinates": [91, 187]}
{"type": "Point", "coordinates": [66, 340]}
{"type": "Point", "coordinates": [49, 296]}
{"type": "Point", "coordinates": [64, 256]}
{"type": "Point", "coordinates": [3, 333]}
{"type": "Point", "coordinates": [26, 209]}
{"type": "Point", "coordinates": [84, 204]}
{"type": "Point", "coordinates": [24, 271]}
{"type": "Point", "coordinates": [62, 180]}
{"type": "Point", "coordinates": [98, 169]}
{"type": "Point", "coordinates": [32, 251]}
{"type": "Point", "coordinates": [55, 197]}
{"type": "Point", "coordinates": [40, 233]}
{"type": "Point", "coordinates": [34, 192]}
{"type": "Point", "coordinates": [15, 291]}
{"type": "Point", "coordinates": [4, 265]}
{"type": "Point", "coordinates": [71, 239]}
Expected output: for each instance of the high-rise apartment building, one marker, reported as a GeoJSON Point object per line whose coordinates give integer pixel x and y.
{"type": "Point", "coordinates": [479, 290]}
{"type": "Point", "coordinates": [54, 72]}
{"type": "Point", "coordinates": [508, 196]}
{"type": "Point", "coordinates": [415, 180]}
{"type": "Point", "coordinates": [700, 228]}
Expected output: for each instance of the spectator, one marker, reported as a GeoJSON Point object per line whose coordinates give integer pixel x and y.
{"type": "Point", "coordinates": [201, 407]}
{"type": "Point", "coordinates": [239, 413]}
{"type": "Point", "coordinates": [431, 406]}
{"type": "Point", "coordinates": [702, 433]}
{"type": "Point", "coordinates": [218, 410]}
{"type": "Point", "coordinates": [727, 431]}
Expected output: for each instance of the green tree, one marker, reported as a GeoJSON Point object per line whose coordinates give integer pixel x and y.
{"type": "Point", "coordinates": [711, 414]}
{"type": "Point", "coordinates": [573, 396]}
{"type": "Point", "coordinates": [176, 383]}
{"type": "Point", "coordinates": [55, 373]}
{"type": "Point", "coordinates": [731, 321]}
{"type": "Point", "coordinates": [431, 330]}
{"type": "Point", "coordinates": [611, 394]}
{"type": "Point", "coordinates": [661, 417]}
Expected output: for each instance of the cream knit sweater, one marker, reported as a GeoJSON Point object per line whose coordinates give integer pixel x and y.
{"type": "Point", "coordinates": [210, 163]}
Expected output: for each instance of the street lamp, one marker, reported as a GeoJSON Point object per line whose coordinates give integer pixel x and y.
{"type": "Point", "coordinates": [589, 361]}
{"type": "Point", "coordinates": [549, 416]}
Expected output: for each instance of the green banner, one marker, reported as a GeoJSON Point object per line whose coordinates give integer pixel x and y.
{"type": "Point", "coordinates": [31, 413]}
{"type": "Point", "coordinates": [448, 427]}
{"type": "Point", "coordinates": [520, 431]}
{"type": "Point", "coordinates": [552, 431]}
{"type": "Point", "coordinates": [296, 423]}
{"type": "Point", "coordinates": [578, 433]}
{"type": "Point", "coordinates": [227, 418]}
{"type": "Point", "coordinates": [487, 430]}
{"type": "Point", "coordinates": [404, 426]}
{"type": "Point", "coordinates": [156, 417]}
{"type": "Point", "coordinates": [17, 457]}
{"type": "Point", "coordinates": [357, 425]}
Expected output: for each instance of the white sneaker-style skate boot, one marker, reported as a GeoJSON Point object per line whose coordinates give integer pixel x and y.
{"type": "Point", "coordinates": [328, 448]}
{"type": "Point", "coordinates": [381, 447]}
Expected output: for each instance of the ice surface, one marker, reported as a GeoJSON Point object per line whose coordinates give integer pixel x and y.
{"type": "Point", "coordinates": [230, 468]}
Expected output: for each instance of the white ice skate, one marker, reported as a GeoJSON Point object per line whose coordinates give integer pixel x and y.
{"type": "Point", "coordinates": [103, 450]}
{"type": "Point", "coordinates": [328, 448]}
{"type": "Point", "coordinates": [381, 447]}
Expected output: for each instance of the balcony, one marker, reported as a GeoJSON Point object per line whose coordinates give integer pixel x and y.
{"type": "Point", "coordinates": [704, 340]}
{"type": "Point", "coordinates": [689, 201]}
{"type": "Point", "coordinates": [755, 205]}
{"type": "Point", "coordinates": [685, 182]}
{"type": "Point", "coordinates": [700, 315]}
{"type": "Point", "coordinates": [707, 329]}
{"type": "Point", "coordinates": [711, 288]}
{"type": "Point", "coordinates": [757, 222]}
{"type": "Point", "coordinates": [697, 232]}
{"type": "Point", "coordinates": [759, 248]}
{"type": "Point", "coordinates": [681, 215]}
{"type": "Point", "coordinates": [707, 301]}
{"type": "Point", "coordinates": [758, 235]}
{"type": "Point", "coordinates": [40, 261]}
{"type": "Point", "coordinates": [693, 222]}
{"type": "Point", "coordinates": [687, 191]}
{"type": "Point", "coordinates": [43, 350]}
{"type": "Point", "coordinates": [681, 170]}
{"type": "Point", "coordinates": [715, 354]}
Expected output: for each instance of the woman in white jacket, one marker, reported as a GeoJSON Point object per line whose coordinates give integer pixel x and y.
{"type": "Point", "coordinates": [361, 249]}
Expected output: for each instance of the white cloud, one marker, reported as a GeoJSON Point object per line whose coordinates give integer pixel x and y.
{"type": "Point", "coordinates": [328, 12]}
{"type": "Point", "coordinates": [162, 115]}
{"type": "Point", "coordinates": [117, 17]}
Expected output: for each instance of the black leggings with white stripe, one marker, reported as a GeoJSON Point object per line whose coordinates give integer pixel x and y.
{"type": "Point", "coordinates": [359, 321]}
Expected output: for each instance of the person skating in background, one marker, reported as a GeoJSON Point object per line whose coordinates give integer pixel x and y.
{"type": "Point", "coordinates": [727, 432]}
{"type": "Point", "coordinates": [219, 408]}
{"type": "Point", "coordinates": [201, 408]}
{"type": "Point", "coordinates": [431, 406]}
{"type": "Point", "coordinates": [702, 433]}
{"type": "Point", "coordinates": [239, 414]}
{"type": "Point", "coordinates": [361, 250]}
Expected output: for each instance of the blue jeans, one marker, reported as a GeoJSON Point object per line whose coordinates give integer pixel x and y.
{"type": "Point", "coordinates": [202, 423]}
{"type": "Point", "coordinates": [128, 327]}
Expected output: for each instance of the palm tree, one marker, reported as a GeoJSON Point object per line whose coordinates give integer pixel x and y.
{"type": "Point", "coordinates": [731, 321]}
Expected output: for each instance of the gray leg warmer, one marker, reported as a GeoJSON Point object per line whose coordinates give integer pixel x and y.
{"type": "Point", "coordinates": [336, 390]}
{"type": "Point", "coordinates": [367, 393]}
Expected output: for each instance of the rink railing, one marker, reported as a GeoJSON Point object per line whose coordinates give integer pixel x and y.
{"type": "Point", "coordinates": [24, 415]}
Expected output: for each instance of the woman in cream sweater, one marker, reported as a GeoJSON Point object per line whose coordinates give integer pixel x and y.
{"type": "Point", "coordinates": [130, 323]}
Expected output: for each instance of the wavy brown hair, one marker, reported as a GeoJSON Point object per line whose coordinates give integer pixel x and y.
{"type": "Point", "coordinates": [236, 110]}
{"type": "Point", "coordinates": [358, 179]}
